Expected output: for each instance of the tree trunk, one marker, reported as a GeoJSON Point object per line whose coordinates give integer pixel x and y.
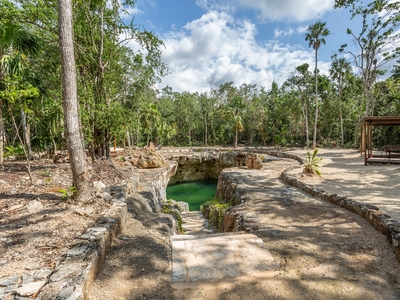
{"type": "Point", "coordinates": [25, 131]}
{"type": "Point", "coordinates": [316, 102]}
{"type": "Point", "coordinates": [1, 136]}
{"type": "Point", "coordinates": [205, 129]}
{"type": "Point", "coordinates": [128, 139]}
{"type": "Point", "coordinates": [76, 150]}
{"type": "Point", "coordinates": [236, 138]}
{"type": "Point", "coordinates": [341, 118]}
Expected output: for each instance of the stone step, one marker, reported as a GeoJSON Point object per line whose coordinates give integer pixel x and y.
{"type": "Point", "coordinates": [195, 223]}
{"type": "Point", "coordinates": [218, 256]}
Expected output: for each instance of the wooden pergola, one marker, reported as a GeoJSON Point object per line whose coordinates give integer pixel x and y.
{"type": "Point", "coordinates": [366, 139]}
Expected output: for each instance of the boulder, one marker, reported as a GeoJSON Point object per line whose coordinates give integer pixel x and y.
{"type": "Point", "coordinates": [253, 161]}
{"type": "Point", "coordinates": [150, 159]}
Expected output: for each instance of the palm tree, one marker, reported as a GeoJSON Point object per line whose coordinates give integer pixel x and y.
{"type": "Point", "coordinates": [232, 113]}
{"type": "Point", "coordinates": [315, 36]}
{"type": "Point", "coordinates": [339, 71]}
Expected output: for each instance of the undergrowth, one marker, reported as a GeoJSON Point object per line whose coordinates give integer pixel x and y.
{"type": "Point", "coordinates": [166, 209]}
{"type": "Point", "coordinates": [217, 210]}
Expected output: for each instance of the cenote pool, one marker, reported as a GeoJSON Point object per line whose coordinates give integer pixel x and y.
{"type": "Point", "coordinates": [195, 192]}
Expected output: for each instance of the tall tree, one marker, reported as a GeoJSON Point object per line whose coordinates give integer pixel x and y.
{"type": "Point", "coordinates": [70, 101]}
{"type": "Point", "coordinates": [340, 71]}
{"type": "Point", "coordinates": [315, 36]}
{"type": "Point", "coordinates": [375, 42]}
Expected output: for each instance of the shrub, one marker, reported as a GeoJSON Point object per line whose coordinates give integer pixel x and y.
{"type": "Point", "coordinates": [311, 166]}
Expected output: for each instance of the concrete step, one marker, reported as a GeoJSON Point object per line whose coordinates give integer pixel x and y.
{"type": "Point", "coordinates": [218, 256]}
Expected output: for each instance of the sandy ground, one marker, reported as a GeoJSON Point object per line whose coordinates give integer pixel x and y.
{"type": "Point", "coordinates": [344, 173]}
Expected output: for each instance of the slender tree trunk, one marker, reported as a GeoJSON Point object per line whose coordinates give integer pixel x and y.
{"type": "Point", "coordinates": [1, 136]}
{"type": "Point", "coordinates": [128, 139]}
{"type": "Point", "coordinates": [341, 118]}
{"type": "Point", "coordinates": [205, 129]}
{"type": "Point", "coordinates": [305, 114]}
{"type": "Point", "coordinates": [236, 138]}
{"type": "Point", "coordinates": [76, 150]}
{"type": "Point", "coordinates": [316, 102]}
{"type": "Point", "coordinates": [26, 136]}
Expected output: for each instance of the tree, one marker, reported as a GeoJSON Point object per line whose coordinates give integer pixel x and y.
{"type": "Point", "coordinates": [302, 81]}
{"type": "Point", "coordinates": [15, 42]}
{"type": "Point", "coordinates": [70, 101]}
{"type": "Point", "coordinates": [375, 41]}
{"type": "Point", "coordinates": [340, 71]}
{"type": "Point", "coordinates": [315, 36]}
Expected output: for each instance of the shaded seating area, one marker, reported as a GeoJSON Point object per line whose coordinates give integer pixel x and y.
{"type": "Point", "coordinates": [389, 154]}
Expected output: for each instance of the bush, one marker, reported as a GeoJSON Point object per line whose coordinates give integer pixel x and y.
{"type": "Point", "coordinates": [311, 166]}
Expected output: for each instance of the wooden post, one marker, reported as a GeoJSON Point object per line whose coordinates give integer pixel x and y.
{"type": "Point", "coordinates": [363, 141]}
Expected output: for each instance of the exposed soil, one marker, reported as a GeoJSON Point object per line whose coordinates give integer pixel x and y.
{"type": "Point", "coordinates": [38, 220]}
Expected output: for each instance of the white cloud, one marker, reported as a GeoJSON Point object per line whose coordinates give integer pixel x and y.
{"type": "Point", "coordinates": [215, 49]}
{"type": "Point", "coordinates": [284, 32]}
{"type": "Point", "coordinates": [291, 10]}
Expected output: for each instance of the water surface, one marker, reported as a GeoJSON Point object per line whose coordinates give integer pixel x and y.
{"type": "Point", "coordinates": [195, 192]}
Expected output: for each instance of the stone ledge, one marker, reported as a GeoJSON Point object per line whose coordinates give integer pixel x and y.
{"type": "Point", "coordinates": [379, 219]}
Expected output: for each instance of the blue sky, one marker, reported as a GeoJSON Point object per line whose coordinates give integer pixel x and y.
{"type": "Point", "coordinates": [210, 42]}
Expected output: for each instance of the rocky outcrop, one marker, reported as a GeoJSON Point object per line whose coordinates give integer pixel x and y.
{"type": "Point", "coordinates": [153, 184]}
{"type": "Point", "coordinates": [201, 165]}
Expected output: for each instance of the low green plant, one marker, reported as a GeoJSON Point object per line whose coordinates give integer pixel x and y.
{"type": "Point", "coordinates": [218, 207]}
{"type": "Point", "coordinates": [46, 173]}
{"type": "Point", "coordinates": [167, 210]}
{"type": "Point", "coordinates": [66, 193]}
{"type": "Point", "coordinates": [13, 151]}
{"type": "Point", "coordinates": [262, 157]}
{"type": "Point", "coordinates": [311, 165]}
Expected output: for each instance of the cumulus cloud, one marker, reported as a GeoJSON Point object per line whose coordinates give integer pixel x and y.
{"type": "Point", "coordinates": [217, 48]}
{"type": "Point", "coordinates": [293, 10]}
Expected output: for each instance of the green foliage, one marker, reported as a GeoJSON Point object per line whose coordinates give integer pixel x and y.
{"type": "Point", "coordinates": [13, 151]}
{"type": "Point", "coordinates": [46, 173]}
{"type": "Point", "coordinates": [311, 164]}
{"type": "Point", "coordinates": [66, 193]}
{"type": "Point", "coordinates": [166, 209]}
{"type": "Point", "coordinates": [217, 210]}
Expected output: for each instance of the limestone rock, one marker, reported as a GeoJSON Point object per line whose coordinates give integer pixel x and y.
{"type": "Point", "coordinates": [106, 196]}
{"type": "Point", "coordinates": [34, 205]}
{"type": "Point", "coordinates": [65, 272]}
{"type": "Point", "coordinates": [150, 159]}
{"type": "Point", "coordinates": [99, 185]}
{"type": "Point", "coordinates": [30, 288]}
{"type": "Point", "coordinates": [9, 281]}
{"type": "Point", "coordinates": [253, 161]}
{"type": "Point", "coordinates": [84, 211]}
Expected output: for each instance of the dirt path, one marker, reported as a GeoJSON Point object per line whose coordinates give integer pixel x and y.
{"type": "Point", "coordinates": [324, 252]}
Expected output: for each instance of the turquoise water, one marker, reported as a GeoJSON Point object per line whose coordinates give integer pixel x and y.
{"type": "Point", "coordinates": [195, 192]}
